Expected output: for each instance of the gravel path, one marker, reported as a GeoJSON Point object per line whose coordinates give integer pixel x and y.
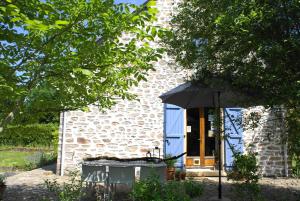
{"type": "Point", "coordinates": [29, 186]}
{"type": "Point", "coordinates": [279, 189]}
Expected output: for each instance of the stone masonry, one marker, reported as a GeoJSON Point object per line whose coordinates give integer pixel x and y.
{"type": "Point", "coordinates": [267, 138]}
{"type": "Point", "coordinates": [132, 128]}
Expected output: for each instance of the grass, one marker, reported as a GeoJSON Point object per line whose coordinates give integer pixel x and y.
{"type": "Point", "coordinates": [13, 158]}
{"type": "Point", "coordinates": [25, 158]}
{"type": "Point", "coordinates": [31, 148]}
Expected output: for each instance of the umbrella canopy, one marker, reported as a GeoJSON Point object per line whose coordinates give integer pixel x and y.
{"type": "Point", "coordinates": [193, 95]}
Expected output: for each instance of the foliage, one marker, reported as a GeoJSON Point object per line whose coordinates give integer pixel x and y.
{"type": "Point", "coordinates": [65, 55]}
{"type": "Point", "coordinates": [152, 189]}
{"type": "Point", "coordinates": [248, 192]}
{"type": "Point", "coordinates": [40, 159]}
{"type": "Point", "coordinates": [170, 163]}
{"type": "Point", "coordinates": [244, 168]}
{"type": "Point", "coordinates": [30, 135]}
{"type": "Point", "coordinates": [69, 191]}
{"type": "Point", "coordinates": [296, 167]}
{"type": "Point", "coordinates": [242, 42]}
{"type": "Point", "coordinates": [293, 120]}
{"type": "Point", "coordinates": [37, 118]}
{"type": "Point", "coordinates": [148, 189]}
{"type": "Point", "coordinates": [193, 189]}
{"type": "Point", "coordinates": [245, 175]}
{"type": "Point", "coordinates": [2, 180]}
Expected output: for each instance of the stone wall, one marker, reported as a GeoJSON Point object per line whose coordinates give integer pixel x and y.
{"type": "Point", "coordinates": [267, 139]}
{"type": "Point", "coordinates": [131, 128]}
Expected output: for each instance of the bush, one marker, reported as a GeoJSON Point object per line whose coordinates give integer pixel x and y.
{"type": "Point", "coordinates": [40, 159]}
{"type": "Point", "coordinates": [193, 189]}
{"type": "Point", "coordinates": [2, 180]}
{"type": "Point", "coordinates": [244, 168]}
{"type": "Point", "coordinates": [68, 191]}
{"type": "Point", "coordinates": [296, 167]}
{"type": "Point", "coordinates": [30, 135]}
{"type": "Point", "coordinates": [245, 175]}
{"type": "Point", "coordinates": [152, 189]}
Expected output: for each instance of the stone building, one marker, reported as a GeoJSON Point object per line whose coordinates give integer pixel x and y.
{"type": "Point", "coordinates": [132, 128]}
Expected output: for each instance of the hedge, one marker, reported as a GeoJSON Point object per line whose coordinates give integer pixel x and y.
{"type": "Point", "coordinates": [30, 135]}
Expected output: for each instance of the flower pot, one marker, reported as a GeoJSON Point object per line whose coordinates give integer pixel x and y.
{"type": "Point", "coordinates": [182, 175]}
{"type": "Point", "coordinates": [177, 176]}
{"type": "Point", "coordinates": [170, 173]}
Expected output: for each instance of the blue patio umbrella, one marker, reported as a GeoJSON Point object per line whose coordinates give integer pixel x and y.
{"type": "Point", "coordinates": [217, 95]}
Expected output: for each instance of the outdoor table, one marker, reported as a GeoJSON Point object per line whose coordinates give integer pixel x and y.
{"type": "Point", "coordinates": [112, 172]}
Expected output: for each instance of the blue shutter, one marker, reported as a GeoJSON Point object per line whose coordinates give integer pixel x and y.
{"type": "Point", "coordinates": [233, 134]}
{"type": "Point", "coordinates": [173, 131]}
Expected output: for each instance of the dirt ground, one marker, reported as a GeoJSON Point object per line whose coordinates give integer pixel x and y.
{"type": "Point", "coordinates": [279, 189]}
{"type": "Point", "coordinates": [29, 186]}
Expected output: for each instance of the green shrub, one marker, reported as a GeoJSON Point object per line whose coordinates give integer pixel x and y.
{"type": "Point", "coordinates": [193, 189]}
{"type": "Point", "coordinates": [245, 174]}
{"type": "Point", "coordinates": [152, 189]}
{"type": "Point", "coordinates": [2, 180]}
{"type": "Point", "coordinates": [40, 159]}
{"type": "Point", "coordinates": [68, 191]}
{"type": "Point", "coordinates": [148, 189]}
{"type": "Point", "coordinates": [244, 168]}
{"type": "Point", "coordinates": [173, 191]}
{"type": "Point", "coordinates": [296, 167]}
{"type": "Point", "coordinates": [30, 135]}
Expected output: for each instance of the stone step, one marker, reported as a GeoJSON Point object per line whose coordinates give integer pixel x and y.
{"type": "Point", "coordinates": [204, 173]}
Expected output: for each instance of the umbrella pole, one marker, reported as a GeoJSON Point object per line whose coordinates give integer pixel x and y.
{"type": "Point", "coordinates": [219, 143]}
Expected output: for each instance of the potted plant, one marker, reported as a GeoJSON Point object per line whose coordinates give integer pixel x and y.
{"type": "Point", "coordinates": [170, 167]}
{"type": "Point", "coordinates": [178, 174]}
{"type": "Point", "coordinates": [182, 174]}
{"type": "Point", "coordinates": [2, 185]}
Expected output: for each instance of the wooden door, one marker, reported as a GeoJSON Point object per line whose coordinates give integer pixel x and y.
{"type": "Point", "coordinates": [200, 142]}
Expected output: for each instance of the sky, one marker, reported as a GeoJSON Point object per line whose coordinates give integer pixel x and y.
{"type": "Point", "coordinates": [137, 2]}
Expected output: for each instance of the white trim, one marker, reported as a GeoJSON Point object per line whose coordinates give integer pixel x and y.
{"type": "Point", "coordinates": [184, 136]}
{"type": "Point", "coordinates": [222, 130]}
{"type": "Point", "coordinates": [63, 145]}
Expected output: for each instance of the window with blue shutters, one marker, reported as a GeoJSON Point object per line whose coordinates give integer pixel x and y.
{"type": "Point", "coordinates": [174, 131]}
{"type": "Point", "coordinates": [233, 134]}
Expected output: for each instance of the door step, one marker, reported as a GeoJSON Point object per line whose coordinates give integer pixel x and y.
{"type": "Point", "coordinates": [203, 173]}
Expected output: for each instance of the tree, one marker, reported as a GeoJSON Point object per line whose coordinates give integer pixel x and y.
{"type": "Point", "coordinates": [253, 44]}
{"type": "Point", "coordinates": [64, 55]}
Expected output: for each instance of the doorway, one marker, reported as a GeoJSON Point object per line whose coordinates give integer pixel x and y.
{"type": "Point", "coordinates": [201, 141]}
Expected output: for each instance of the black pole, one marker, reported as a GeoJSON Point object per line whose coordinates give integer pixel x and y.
{"type": "Point", "coordinates": [219, 143]}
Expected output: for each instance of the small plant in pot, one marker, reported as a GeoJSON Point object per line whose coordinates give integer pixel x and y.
{"type": "Point", "coordinates": [2, 185]}
{"type": "Point", "coordinates": [178, 174]}
{"type": "Point", "coordinates": [182, 174]}
{"type": "Point", "coordinates": [170, 167]}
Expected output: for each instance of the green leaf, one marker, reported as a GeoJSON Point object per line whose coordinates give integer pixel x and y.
{"type": "Point", "coordinates": [84, 71]}
{"type": "Point", "coordinates": [61, 22]}
{"type": "Point", "coordinates": [153, 31]}
{"type": "Point", "coordinates": [151, 3]}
